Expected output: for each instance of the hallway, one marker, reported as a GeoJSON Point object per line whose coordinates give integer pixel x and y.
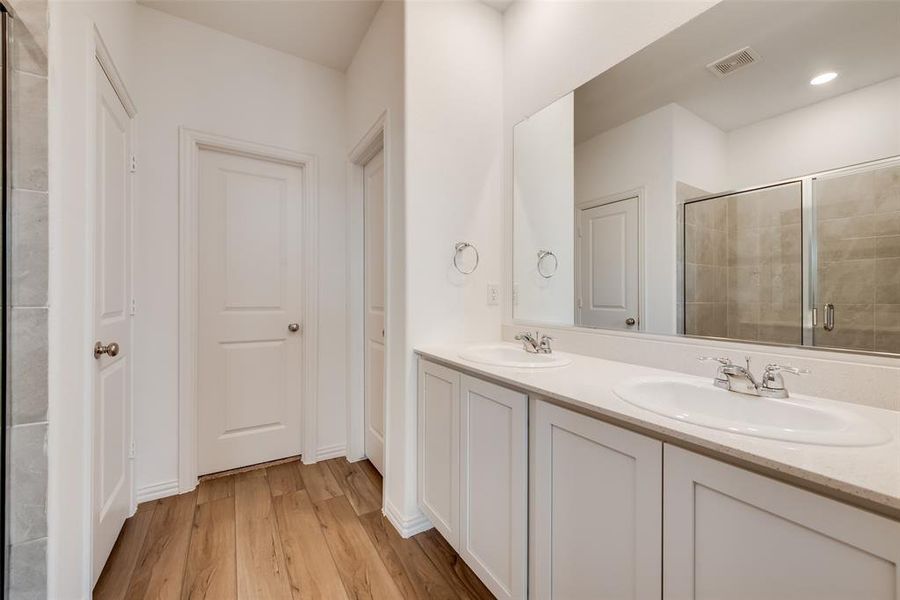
{"type": "Point", "coordinates": [287, 530]}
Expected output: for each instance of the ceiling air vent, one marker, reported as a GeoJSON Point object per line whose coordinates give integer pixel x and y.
{"type": "Point", "coordinates": [727, 65]}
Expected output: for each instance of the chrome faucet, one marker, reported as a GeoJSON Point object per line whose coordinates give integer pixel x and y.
{"type": "Point", "coordinates": [736, 378]}
{"type": "Point", "coordinates": [535, 344]}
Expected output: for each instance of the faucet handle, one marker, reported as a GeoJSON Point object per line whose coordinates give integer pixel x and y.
{"type": "Point", "coordinates": [722, 360]}
{"type": "Point", "coordinates": [776, 368]}
{"type": "Point", "coordinates": [525, 335]}
{"type": "Point", "coordinates": [772, 384]}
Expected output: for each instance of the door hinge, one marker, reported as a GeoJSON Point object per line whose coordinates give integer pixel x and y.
{"type": "Point", "coordinates": [133, 164]}
{"type": "Point", "coordinates": [131, 452]}
{"type": "Point", "coordinates": [580, 305]}
{"type": "Point", "coordinates": [133, 308]}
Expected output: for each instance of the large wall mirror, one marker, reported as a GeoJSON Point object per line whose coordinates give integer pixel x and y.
{"type": "Point", "coordinates": [739, 178]}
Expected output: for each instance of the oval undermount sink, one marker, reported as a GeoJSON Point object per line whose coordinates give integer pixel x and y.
{"type": "Point", "coordinates": [509, 355]}
{"type": "Point", "coordinates": [795, 419]}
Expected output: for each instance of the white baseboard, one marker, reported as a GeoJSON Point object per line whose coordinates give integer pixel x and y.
{"type": "Point", "coordinates": [334, 451]}
{"type": "Point", "coordinates": [406, 526]}
{"type": "Point", "coordinates": [157, 490]}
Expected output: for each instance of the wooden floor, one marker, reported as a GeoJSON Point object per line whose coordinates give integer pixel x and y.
{"type": "Point", "coordinates": [288, 531]}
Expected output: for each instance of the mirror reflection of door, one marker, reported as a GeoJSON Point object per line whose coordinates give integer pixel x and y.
{"type": "Point", "coordinates": [608, 281]}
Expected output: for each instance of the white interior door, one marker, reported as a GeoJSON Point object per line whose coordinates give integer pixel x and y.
{"type": "Point", "coordinates": [609, 277]}
{"type": "Point", "coordinates": [249, 303]}
{"type": "Point", "coordinates": [112, 474]}
{"type": "Point", "coordinates": [374, 277]}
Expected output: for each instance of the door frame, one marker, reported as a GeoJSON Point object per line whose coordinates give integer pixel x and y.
{"type": "Point", "coordinates": [640, 194]}
{"type": "Point", "coordinates": [191, 142]}
{"type": "Point", "coordinates": [375, 140]}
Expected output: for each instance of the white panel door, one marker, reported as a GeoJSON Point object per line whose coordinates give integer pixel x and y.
{"type": "Point", "coordinates": [249, 303]}
{"type": "Point", "coordinates": [609, 269]}
{"type": "Point", "coordinates": [112, 473]}
{"type": "Point", "coordinates": [735, 535]}
{"type": "Point", "coordinates": [596, 509]}
{"type": "Point", "coordinates": [438, 464]}
{"type": "Point", "coordinates": [374, 277]}
{"type": "Point", "coordinates": [494, 486]}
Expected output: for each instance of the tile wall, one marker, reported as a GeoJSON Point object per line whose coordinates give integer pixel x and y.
{"type": "Point", "coordinates": [28, 266]}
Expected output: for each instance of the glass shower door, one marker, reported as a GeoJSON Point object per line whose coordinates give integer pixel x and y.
{"type": "Point", "coordinates": [856, 277]}
{"type": "Point", "coordinates": [743, 265]}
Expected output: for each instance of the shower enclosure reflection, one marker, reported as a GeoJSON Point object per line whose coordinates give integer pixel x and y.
{"type": "Point", "coordinates": [742, 265]}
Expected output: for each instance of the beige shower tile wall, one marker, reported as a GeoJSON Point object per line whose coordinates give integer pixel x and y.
{"type": "Point", "coordinates": [706, 268]}
{"type": "Point", "coordinates": [764, 265]}
{"type": "Point", "coordinates": [743, 274]}
{"type": "Point", "coordinates": [858, 226]}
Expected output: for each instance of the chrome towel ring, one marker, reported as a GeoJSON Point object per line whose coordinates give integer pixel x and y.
{"type": "Point", "coordinates": [543, 254]}
{"type": "Point", "coordinates": [460, 248]}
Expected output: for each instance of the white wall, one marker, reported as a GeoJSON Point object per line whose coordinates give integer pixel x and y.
{"type": "Point", "coordinates": [855, 127]}
{"type": "Point", "coordinates": [543, 205]}
{"type": "Point", "coordinates": [700, 150]}
{"type": "Point", "coordinates": [199, 78]}
{"type": "Point", "coordinates": [454, 74]}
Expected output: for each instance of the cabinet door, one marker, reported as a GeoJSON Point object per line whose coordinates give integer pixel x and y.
{"type": "Point", "coordinates": [438, 464]}
{"type": "Point", "coordinates": [596, 509]}
{"type": "Point", "coordinates": [731, 535]}
{"type": "Point", "coordinates": [494, 486]}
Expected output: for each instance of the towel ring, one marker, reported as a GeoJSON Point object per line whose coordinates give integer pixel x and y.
{"type": "Point", "coordinates": [460, 248]}
{"type": "Point", "coordinates": [542, 254]}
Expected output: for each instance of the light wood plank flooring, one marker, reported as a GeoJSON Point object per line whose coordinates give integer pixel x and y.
{"type": "Point", "coordinates": [289, 532]}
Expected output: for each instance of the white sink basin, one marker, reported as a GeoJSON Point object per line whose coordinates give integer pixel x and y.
{"type": "Point", "coordinates": [796, 419]}
{"type": "Point", "coordinates": [510, 355]}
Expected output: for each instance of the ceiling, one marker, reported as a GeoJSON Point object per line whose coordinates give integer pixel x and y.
{"type": "Point", "coordinates": [795, 40]}
{"type": "Point", "coordinates": [327, 32]}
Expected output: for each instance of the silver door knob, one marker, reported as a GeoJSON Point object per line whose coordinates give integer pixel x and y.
{"type": "Point", "coordinates": [111, 349]}
{"type": "Point", "coordinates": [294, 327]}
{"type": "Point", "coordinates": [630, 321]}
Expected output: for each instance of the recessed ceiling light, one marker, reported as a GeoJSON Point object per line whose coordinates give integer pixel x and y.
{"type": "Point", "coordinates": [823, 78]}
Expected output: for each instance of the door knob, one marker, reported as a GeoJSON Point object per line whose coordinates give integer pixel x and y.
{"type": "Point", "coordinates": [99, 349]}
{"type": "Point", "coordinates": [630, 321]}
{"type": "Point", "coordinates": [294, 327]}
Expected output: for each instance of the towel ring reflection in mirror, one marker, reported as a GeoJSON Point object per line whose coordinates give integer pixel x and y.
{"type": "Point", "coordinates": [460, 248]}
{"type": "Point", "coordinates": [546, 273]}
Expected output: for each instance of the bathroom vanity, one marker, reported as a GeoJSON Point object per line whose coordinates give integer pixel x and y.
{"type": "Point", "coordinates": [551, 486]}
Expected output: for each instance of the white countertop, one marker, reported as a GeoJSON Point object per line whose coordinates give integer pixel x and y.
{"type": "Point", "coordinates": [866, 476]}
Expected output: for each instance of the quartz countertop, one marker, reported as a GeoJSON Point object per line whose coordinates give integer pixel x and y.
{"type": "Point", "coordinates": [868, 477]}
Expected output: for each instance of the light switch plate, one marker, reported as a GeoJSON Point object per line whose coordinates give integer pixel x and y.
{"type": "Point", "coordinates": [493, 294]}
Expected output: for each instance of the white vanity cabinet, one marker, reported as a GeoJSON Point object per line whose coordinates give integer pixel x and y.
{"type": "Point", "coordinates": [548, 503]}
{"type": "Point", "coordinates": [733, 534]}
{"type": "Point", "coordinates": [494, 485]}
{"type": "Point", "coordinates": [473, 473]}
{"type": "Point", "coordinates": [596, 509]}
{"type": "Point", "coordinates": [438, 464]}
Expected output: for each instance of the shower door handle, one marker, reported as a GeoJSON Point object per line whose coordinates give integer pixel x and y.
{"type": "Point", "coordinates": [828, 325]}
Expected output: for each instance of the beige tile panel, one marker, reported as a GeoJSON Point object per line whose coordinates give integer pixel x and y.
{"type": "Point", "coordinates": [887, 276]}
{"type": "Point", "coordinates": [887, 328]}
{"type": "Point", "coordinates": [847, 282]}
{"type": "Point", "coordinates": [887, 246]}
